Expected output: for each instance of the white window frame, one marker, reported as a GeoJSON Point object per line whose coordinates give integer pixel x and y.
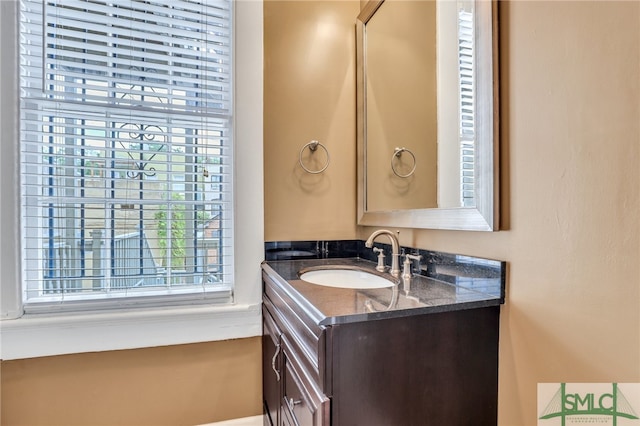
{"type": "Point", "coordinates": [27, 336]}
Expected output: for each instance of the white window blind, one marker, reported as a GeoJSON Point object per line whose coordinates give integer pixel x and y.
{"type": "Point", "coordinates": [126, 152]}
{"type": "Point", "coordinates": [466, 102]}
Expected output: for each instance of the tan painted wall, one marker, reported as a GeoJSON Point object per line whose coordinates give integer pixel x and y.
{"type": "Point", "coordinates": [571, 192]}
{"type": "Point", "coordinates": [309, 83]}
{"type": "Point", "coordinates": [571, 197]}
{"type": "Point", "coordinates": [176, 385]}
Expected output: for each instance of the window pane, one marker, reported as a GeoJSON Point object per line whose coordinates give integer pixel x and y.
{"type": "Point", "coordinates": [126, 166]}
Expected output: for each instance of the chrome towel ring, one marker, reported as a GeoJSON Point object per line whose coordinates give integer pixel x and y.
{"type": "Point", "coordinates": [313, 146]}
{"type": "Point", "coordinates": [398, 153]}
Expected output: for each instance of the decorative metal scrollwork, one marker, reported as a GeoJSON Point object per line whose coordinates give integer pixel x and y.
{"type": "Point", "coordinates": [146, 135]}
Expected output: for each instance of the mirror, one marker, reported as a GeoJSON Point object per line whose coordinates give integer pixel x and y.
{"type": "Point", "coordinates": [427, 114]}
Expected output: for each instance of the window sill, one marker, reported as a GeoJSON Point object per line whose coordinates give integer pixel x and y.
{"type": "Point", "coordinates": [46, 335]}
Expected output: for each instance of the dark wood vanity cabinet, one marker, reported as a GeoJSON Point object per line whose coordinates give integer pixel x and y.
{"type": "Point", "coordinates": [303, 403]}
{"type": "Point", "coordinates": [271, 368]}
{"type": "Point", "coordinates": [290, 397]}
{"type": "Point", "coordinates": [292, 394]}
{"type": "Point", "coordinates": [434, 368]}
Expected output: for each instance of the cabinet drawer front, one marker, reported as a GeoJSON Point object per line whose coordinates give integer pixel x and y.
{"type": "Point", "coordinates": [302, 333]}
{"type": "Point", "coordinates": [285, 300]}
{"type": "Point", "coordinates": [303, 403]}
{"type": "Point", "coordinates": [270, 327]}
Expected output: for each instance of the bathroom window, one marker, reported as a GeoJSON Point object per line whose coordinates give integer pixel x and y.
{"type": "Point", "coordinates": [126, 153]}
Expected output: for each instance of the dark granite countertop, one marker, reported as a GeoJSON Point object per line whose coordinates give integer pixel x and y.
{"type": "Point", "coordinates": [424, 295]}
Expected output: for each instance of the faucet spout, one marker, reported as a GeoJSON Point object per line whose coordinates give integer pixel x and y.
{"type": "Point", "coordinates": [395, 249]}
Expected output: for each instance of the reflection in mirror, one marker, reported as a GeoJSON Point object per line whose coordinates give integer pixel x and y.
{"type": "Point", "coordinates": [427, 132]}
{"type": "Point", "coordinates": [401, 106]}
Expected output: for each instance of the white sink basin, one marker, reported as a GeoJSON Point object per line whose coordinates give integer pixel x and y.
{"type": "Point", "coordinates": [345, 278]}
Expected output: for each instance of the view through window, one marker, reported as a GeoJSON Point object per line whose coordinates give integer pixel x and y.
{"type": "Point", "coordinates": [126, 149]}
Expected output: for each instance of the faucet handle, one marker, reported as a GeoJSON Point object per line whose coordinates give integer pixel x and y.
{"type": "Point", "coordinates": [406, 268]}
{"type": "Point", "coordinates": [414, 257]}
{"type": "Point", "coordinates": [381, 267]}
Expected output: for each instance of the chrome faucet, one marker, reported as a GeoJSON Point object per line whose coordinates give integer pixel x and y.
{"type": "Point", "coordinates": [395, 249]}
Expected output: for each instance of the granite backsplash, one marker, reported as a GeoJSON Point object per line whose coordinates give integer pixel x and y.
{"type": "Point", "coordinates": [476, 273]}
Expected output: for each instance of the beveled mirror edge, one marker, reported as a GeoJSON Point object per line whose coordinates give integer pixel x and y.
{"type": "Point", "coordinates": [485, 216]}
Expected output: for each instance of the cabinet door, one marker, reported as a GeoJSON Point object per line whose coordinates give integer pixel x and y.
{"type": "Point", "coordinates": [303, 403]}
{"type": "Point", "coordinates": [271, 369]}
